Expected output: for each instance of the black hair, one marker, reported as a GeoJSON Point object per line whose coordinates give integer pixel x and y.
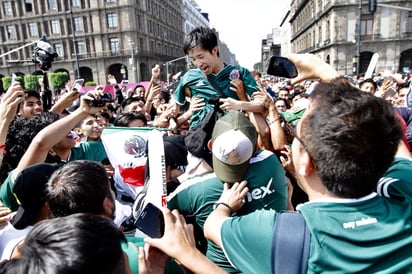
{"type": "Point", "coordinates": [351, 136]}
{"type": "Point", "coordinates": [203, 37]}
{"type": "Point", "coordinates": [80, 243]}
{"type": "Point", "coordinates": [19, 136]}
{"type": "Point", "coordinates": [78, 187]}
{"type": "Point", "coordinates": [368, 80]}
{"type": "Point", "coordinates": [164, 96]}
{"type": "Point", "coordinates": [31, 93]}
{"type": "Point", "coordinates": [132, 99]}
{"type": "Point", "coordinates": [124, 119]}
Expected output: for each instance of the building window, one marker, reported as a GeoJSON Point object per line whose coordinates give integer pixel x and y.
{"type": "Point", "coordinates": [112, 20]}
{"type": "Point", "coordinates": [55, 26]}
{"type": "Point", "coordinates": [11, 32]}
{"type": "Point", "coordinates": [7, 8]}
{"type": "Point", "coordinates": [409, 26]}
{"type": "Point", "coordinates": [52, 4]}
{"type": "Point", "coordinates": [110, 1]}
{"type": "Point", "coordinates": [28, 5]}
{"type": "Point", "coordinates": [367, 25]}
{"type": "Point", "coordinates": [33, 30]}
{"type": "Point", "coordinates": [114, 45]}
{"type": "Point", "coordinates": [76, 3]}
{"type": "Point", "coordinates": [78, 24]}
{"type": "Point", "coordinates": [59, 49]}
{"type": "Point", "coordinates": [81, 47]}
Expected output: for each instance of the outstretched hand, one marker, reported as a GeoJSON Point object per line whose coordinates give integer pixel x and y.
{"type": "Point", "coordinates": [310, 66]}
{"type": "Point", "coordinates": [178, 237]}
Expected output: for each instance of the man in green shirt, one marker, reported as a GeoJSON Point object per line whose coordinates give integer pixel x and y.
{"type": "Point", "coordinates": [56, 139]}
{"type": "Point", "coordinates": [343, 145]}
{"type": "Point", "coordinates": [235, 82]}
{"type": "Point", "coordinates": [263, 171]}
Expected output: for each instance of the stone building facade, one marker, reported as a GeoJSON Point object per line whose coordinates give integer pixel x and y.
{"type": "Point", "coordinates": [331, 30]}
{"type": "Point", "coordinates": [121, 37]}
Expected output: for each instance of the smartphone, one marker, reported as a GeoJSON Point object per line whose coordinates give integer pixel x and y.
{"type": "Point", "coordinates": [15, 79]}
{"type": "Point", "coordinates": [390, 93]}
{"type": "Point", "coordinates": [151, 221]}
{"type": "Point", "coordinates": [78, 84]}
{"type": "Point", "coordinates": [282, 67]}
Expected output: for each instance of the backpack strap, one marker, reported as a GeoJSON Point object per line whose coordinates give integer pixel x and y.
{"type": "Point", "coordinates": [290, 244]}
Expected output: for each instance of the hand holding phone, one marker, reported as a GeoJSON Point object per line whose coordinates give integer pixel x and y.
{"type": "Point", "coordinates": [282, 67]}
{"type": "Point", "coordinates": [78, 84]}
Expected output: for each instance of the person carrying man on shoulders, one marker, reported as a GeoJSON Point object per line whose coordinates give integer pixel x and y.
{"type": "Point", "coordinates": [340, 151]}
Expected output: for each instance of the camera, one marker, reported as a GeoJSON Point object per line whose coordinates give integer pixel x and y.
{"type": "Point", "coordinates": [44, 54]}
{"type": "Point", "coordinates": [100, 102]}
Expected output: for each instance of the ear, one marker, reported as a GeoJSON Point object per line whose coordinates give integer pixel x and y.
{"type": "Point", "coordinates": [306, 165]}
{"type": "Point", "coordinates": [108, 207]}
{"type": "Point", "coordinates": [215, 50]}
{"type": "Point", "coordinates": [210, 144]}
{"type": "Point", "coordinates": [78, 131]}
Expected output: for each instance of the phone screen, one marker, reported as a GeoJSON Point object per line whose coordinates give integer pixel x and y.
{"type": "Point", "coordinates": [282, 67]}
{"type": "Point", "coordinates": [78, 84]}
{"type": "Point", "coordinates": [150, 221]}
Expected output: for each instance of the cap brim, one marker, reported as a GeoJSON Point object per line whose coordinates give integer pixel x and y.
{"type": "Point", "coordinates": [229, 173]}
{"type": "Point", "coordinates": [24, 217]}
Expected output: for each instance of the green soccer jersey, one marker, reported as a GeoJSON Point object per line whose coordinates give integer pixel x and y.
{"type": "Point", "coordinates": [199, 86]}
{"type": "Point", "coordinates": [267, 190]}
{"type": "Point", "coordinates": [396, 183]}
{"type": "Point", "coordinates": [93, 151]}
{"type": "Point", "coordinates": [367, 235]}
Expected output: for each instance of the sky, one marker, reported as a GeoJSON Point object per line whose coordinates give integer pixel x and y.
{"type": "Point", "coordinates": [242, 24]}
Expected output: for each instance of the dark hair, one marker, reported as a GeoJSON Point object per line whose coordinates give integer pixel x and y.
{"type": "Point", "coordinates": [80, 243]}
{"type": "Point", "coordinates": [164, 96]}
{"type": "Point", "coordinates": [287, 104]}
{"type": "Point", "coordinates": [124, 119]}
{"type": "Point", "coordinates": [19, 136]}
{"type": "Point", "coordinates": [31, 93]}
{"type": "Point", "coordinates": [78, 187]}
{"type": "Point", "coordinates": [139, 86]}
{"type": "Point", "coordinates": [132, 99]}
{"type": "Point", "coordinates": [351, 136]}
{"type": "Point", "coordinates": [369, 80]}
{"type": "Point", "coordinates": [203, 37]}
{"type": "Point", "coordinates": [103, 114]}
{"type": "Point", "coordinates": [404, 85]}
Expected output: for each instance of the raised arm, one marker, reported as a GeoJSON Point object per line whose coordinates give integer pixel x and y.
{"type": "Point", "coordinates": [231, 200]}
{"type": "Point", "coordinates": [54, 133]}
{"type": "Point", "coordinates": [178, 242]}
{"type": "Point", "coordinates": [8, 109]}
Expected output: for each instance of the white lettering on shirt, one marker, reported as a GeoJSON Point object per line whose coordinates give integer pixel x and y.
{"type": "Point", "coordinates": [260, 192]}
{"type": "Point", "coordinates": [362, 222]}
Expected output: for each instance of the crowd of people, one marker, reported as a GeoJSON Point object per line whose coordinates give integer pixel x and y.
{"type": "Point", "coordinates": [335, 150]}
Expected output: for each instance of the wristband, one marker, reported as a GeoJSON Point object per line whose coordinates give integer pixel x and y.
{"type": "Point", "coordinates": [215, 205]}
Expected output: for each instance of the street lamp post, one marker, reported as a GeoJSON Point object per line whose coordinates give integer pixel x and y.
{"type": "Point", "coordinates": [172, 61]}
{"type": "Point", "coordinates": [74, 43]}
{"type": "Point", "coordinates": [131, 62]}
{"type": "Point", "coordinates": [358, 40]}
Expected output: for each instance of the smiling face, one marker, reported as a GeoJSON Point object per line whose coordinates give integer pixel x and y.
{"type": "Point", "coordinates": [30, 107]}
{"type": "Point", "coordinates": [91, 129]}
{"type": "Point", "coordinates": [207, 62]}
